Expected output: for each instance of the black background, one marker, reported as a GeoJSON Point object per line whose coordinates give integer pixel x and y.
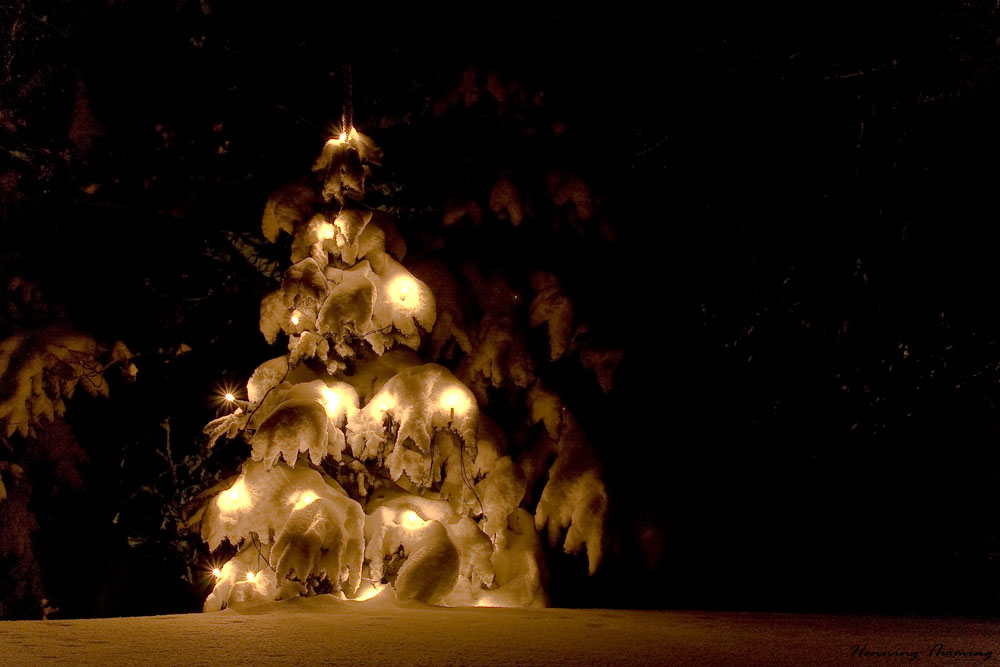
{"type": "Point", "coordinates": [804, 279]}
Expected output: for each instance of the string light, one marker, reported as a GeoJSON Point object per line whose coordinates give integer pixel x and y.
{"type": "Point", "coordinates": [252, 577]}
{"type": "Point", "coordinates": [235, 497]}
{"type": "Point", "coordinates": [343, 137]}
{"type": "Point", "coordinates": [227, 396]}
{"type": "Point", "coordinates": [301, 500]}
{"type": "Point", "coordinates": [295, 317]}
{"type": "Point", "coordinates": [404, 292]}
{"type": "Point", "coordinates": [217, 573]}
{"type": "Point", "coordinates": [455, 400]}
{"type": "Point", "coordinates": [386, 403]}
{"type": "Point", "coordinates": [411, 520]}
{"type": "Point", "coordinates": [331, 402]}
{"type": "Point", "coordinates": [325, 231]}
{"type": "Point", "coordinates": [371, 592]}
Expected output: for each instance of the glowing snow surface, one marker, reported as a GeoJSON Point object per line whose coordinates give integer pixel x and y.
{"type": "Point", "coordinates": [382, 631]}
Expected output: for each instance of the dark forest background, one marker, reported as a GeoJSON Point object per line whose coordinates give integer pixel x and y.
{"type": "Point", "coordinates": [799, 260]}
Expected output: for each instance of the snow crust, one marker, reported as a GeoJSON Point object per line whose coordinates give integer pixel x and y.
{"type": "Point", "coordinates": [386, 631]}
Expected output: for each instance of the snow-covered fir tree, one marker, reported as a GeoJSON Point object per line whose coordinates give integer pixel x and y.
{"type": "Point", "coordinates": [371, 465]}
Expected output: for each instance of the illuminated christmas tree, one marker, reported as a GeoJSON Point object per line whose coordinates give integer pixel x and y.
{"type": "Point", "coordinates": [370, 467]}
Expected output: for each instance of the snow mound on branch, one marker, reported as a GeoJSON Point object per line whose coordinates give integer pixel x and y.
{"type": "Point", "coordinates": [340, 166]}
{"type": "Point", "coordinates": [371, 374]}
{"type": "Point", "coordinates": [381, 308]}
{"type": "Point", "coordinates": [604, 362]}
{"type": "Point", "coordinates": [228, 425]}
{"type": "Point", "coordinates": [317, 530]}
{"type": "Point", "coordinates": [501, 492]}
{"type": "Point", "coordinates": [41, 369]}
{"type": "Point", "coordinates": [442, 549]}
{"type": "Point", "coordinates": [415, 404]}
{"type": "Point", "coordinates": [286, 208]}
{"type": "Point", "coordinates": [308, 419]}
{"type": "Point", "coordinates": [505, 202]}
{"type": "Point", "coordinates": [244, 578]}
{"type": "Point", "coordinates": [451, 321]}
{"type": "Point", "coordinates": [348, 226]}
{"type": "Point", "coordinates": [564, 188]}
{"type": "Point", "coordinates": [517, 566]}
{"type": "Point", "coordinates": [574, 497]}
{"type": "Point", "coordinates": [553, 307]}
{"type": "Point", "coordinates": [499, 352]}
{"type": "Point", "coordinates": [338, 235]}
{"type": "Point", "coordinates": [303, 283]}
{"type": "Point", "coordinates": [349, 308]}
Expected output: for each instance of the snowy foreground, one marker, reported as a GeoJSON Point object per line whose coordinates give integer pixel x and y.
{"type": "Point", "coordinates": [325, 630]}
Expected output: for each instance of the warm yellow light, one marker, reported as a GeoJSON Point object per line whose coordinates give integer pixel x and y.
{"type": "Point", "coordinates": [455, 399]}
{"type": "Point", "coordinates": [411, 520]}
{"type": "Point", "coordinates": [302, 499]}
{"type": "Point", "coordinates": [325, 231]}
{"type": "Point", "coordinates": [295, 317]}
{"type": "Point", "coordinates": [331, 402]}
{"type": "Point", "coordinates": [252, 577]}
{"type": "Point", "coordinates": [371, 592]}
{"type": "Point", "coordinates": [385, 403]}
{"type": "Point", "coordinates": [343, 136]}
{"type": "Point", "coordinates": [234, 498]}
{"type": "Point", "coordinates": [404, 292]}
{"type": "Point", "coordinates": [216, 572]}
{"type": "Point", "coordinates": [229, 396]}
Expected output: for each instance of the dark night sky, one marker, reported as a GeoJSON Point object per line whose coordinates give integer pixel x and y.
{"type": "Point", "coordinates": [804, 280]}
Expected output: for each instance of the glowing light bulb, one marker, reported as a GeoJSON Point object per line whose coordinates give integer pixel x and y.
{"type": "Point", "coordinates": [385, 403]}
{"type": "Point", "coordinates": [325, 231]}
{"type": "Point", "coordinates": [295, 317]}
{"type": "Point", "coordinates": [404, 292]}
{"type": "Point", "coordinates": [411, 520]}
{"type": "Point", "coordinates": [331, 402]}
{"type": "Point", "coordinates": [216, 572]}
{"type": "Point", "coordinates": [301, 500]}
{"type": "Point", "coordinates": [229, 397]}
{"type": "Point", "coordinates": [370, 592]}
{"type": "Point", "coordinates": [343, 136]}
{"type": "Point", "coordinates": [252, 577]}
{"type": "Point", "coordinates": [234, 498]}
{"type": "Point", "coordinates": [455, 400]}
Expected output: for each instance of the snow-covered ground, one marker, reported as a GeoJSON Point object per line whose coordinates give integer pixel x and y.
{"type": "Point", "coordinates": [325, 630]}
